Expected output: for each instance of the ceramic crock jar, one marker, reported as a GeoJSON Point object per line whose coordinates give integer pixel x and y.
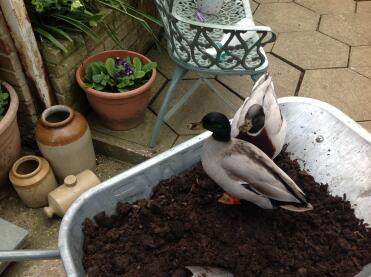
{"type": "Point", "coordinates": [64, 139]}
{"type": "Point", "coordinates": [209, 6]}
{"type": "Point", "coordinates": [61, 198]}
{"type": "Point", "coordinates": [33, 179]}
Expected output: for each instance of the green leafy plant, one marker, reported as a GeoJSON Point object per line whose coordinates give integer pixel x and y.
{"type": "Point", "coordinates": [57, 20]}
{"type": "Point", "coordinates": [117, 75]}
{"type": "Point", "coordinates": [4, 101]}
{"type": "Point", "coordinates": [54, 20]}
{"type": "Point", "coordinates": [123, 7]}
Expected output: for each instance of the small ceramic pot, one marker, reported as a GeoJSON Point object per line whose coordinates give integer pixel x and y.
{"type": "Point", "coordinates": [61, 198]}
{"type": "Point", "coordinates": [64, 138]}
{"type": "Point", "coordinates": [209, 6]}
{"type": "Point", "coordinates": [33, 179]}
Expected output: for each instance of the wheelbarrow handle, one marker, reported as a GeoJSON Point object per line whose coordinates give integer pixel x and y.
{"type": "Point", "coordinates": [29, 255]}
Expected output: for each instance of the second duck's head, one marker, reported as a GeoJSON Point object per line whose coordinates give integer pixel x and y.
{"type": "Point", "coordinates": [217, 123]}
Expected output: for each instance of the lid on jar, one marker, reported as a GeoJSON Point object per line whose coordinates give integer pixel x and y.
{"type": "Point", "coordinates": [70, 180]}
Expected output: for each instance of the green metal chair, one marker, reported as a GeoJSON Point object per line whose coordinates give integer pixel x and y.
{"type": "Point", "coordinates": [227, 43]}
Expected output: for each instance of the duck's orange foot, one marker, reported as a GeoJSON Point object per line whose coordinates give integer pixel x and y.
{"type": "Point", "coordinates": [228, 199]}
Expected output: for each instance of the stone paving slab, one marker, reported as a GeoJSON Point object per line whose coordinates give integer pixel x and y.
{"type": "Point", "coordinates": [157, 86]}
{"type": "Point", "coordinates": [182, 139]}
{"type": "Point", "coordinates": [366, 125]}
{"type": "Point", "coordinates": [135, 141]}
{"type": "Point", "coordinates": [360, 56]}
{"type": "Point", "coordinates": [107, 167]}
{"type": "Point", "coordinates": [167, 67]}
{"type": "Point", "coordinates": [253, 6]}
{"type": "Point", "coordinates": [328, 6]}
{"type": "Point", "coordinates": [345, 89]}
{"type": "Point", "coordinates": [286, 17]}
{"type": "Point", "coordinates": [311, 49]}
{"type": "Point", "coordinates": [364, 71]}
{"type": "Point", "coordinates": [199, 104]}
{"type": "Point", "coordinates": [12, 237]}
{"type": "Point", "coordinates": [274, 1]}
{"type": "Point", "coordinates": [351, 28]}
{"type": "Point", "coordinates": [242, 85]}
{"type": "Point", "coordinates": [285, 78]}
{"type": "Point", "coordinates": [364, 7]}
{"type": "Point", "coordinates": [360, 60]}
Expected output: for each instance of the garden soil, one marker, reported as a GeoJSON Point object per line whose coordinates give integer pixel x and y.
{"type": "Point", "coordinates": [184, 225]}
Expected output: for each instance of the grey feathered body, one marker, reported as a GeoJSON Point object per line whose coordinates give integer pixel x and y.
{"type": "Point", "coordinates": [247, 173]}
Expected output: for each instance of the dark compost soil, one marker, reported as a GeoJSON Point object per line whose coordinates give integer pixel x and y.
{"type": "Point", "coordinates": [184, 225]}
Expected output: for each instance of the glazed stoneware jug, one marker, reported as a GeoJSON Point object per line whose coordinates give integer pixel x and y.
{"type": "Point", "coordinates": [61, 198]}
{"type": "Point", "coordinates": [33, 179]}
{"type": "Point", "coordinates": [64, 139]}
{"type": "Point", "coordinates": [209, 6]}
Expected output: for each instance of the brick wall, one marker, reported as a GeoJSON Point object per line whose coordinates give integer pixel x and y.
{"type": "Point", "coordinates": [11, 71]}
{"type": "Point", "coordinates": [61, 67]}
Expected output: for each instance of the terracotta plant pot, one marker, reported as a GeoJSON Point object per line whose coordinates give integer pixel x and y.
{"type": "Point", "coordinates": [121, 110]}
{"type": "Point", "coordinates": [10, 140]}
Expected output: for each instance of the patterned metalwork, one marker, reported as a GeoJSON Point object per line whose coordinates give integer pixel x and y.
{"type": "Point", "coordinates": [231, 13]}
{"type": "Point", "coordinates": [226, 43]}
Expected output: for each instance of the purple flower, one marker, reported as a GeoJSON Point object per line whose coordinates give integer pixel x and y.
{"type": "Point", "coordinates": [124, 65]}
{"type": "Point", "coordinates": [119, 62]}
{"type": "Point", "coordinates": [118, 75]}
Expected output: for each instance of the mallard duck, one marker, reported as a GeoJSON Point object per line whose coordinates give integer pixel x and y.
{"type": "Point", "coordinates": [259, 120]}
{"type": "Point", "coordinates": [246, 172]}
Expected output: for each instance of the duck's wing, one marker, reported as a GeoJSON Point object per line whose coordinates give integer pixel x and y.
{"type": "Point", "coordinates": [260, 81]}
{"type": "Point", "coordinates": [260, 174]}
{"type": "Point", "coordinates": [274, 120]}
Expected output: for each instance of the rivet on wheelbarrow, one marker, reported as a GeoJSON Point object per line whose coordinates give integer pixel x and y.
{"type": "Point", "coordinates": [320, 139]}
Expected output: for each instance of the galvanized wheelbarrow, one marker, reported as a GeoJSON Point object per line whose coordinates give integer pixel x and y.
{"type": "Point", "coordinates": [314, 128]}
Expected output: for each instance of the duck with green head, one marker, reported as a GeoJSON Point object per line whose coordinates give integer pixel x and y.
{"type": "Point", "coordinates": [244, 171]}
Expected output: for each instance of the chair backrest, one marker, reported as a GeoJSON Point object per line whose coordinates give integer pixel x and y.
{"type": "Point", "coordinates": [165, 8]}
{"type": "Point", "coordinates": [216, 50]}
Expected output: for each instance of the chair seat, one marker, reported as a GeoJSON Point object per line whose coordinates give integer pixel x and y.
{"type": "Point", "coordinates": [231, 12]}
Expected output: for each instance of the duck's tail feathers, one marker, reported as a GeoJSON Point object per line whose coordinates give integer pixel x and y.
{"type": "Point", "coordinates": [297, 208]}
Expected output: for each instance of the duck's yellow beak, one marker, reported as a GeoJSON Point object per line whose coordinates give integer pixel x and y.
{"type": "Point", "coordinates": [195, 126]}
{"type": "Point", "coordinates": [246, 126]}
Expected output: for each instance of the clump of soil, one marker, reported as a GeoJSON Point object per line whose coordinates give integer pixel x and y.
{"type": "Point", "coordinates": [184, 225]}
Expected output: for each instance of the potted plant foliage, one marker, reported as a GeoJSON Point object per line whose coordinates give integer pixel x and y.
{"type": "Point", "coordinates": [55, 21]}
{"type": "Point", "coordinates": [117, 84]}
{"type": "Point", "coordinates": [10, 141]}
